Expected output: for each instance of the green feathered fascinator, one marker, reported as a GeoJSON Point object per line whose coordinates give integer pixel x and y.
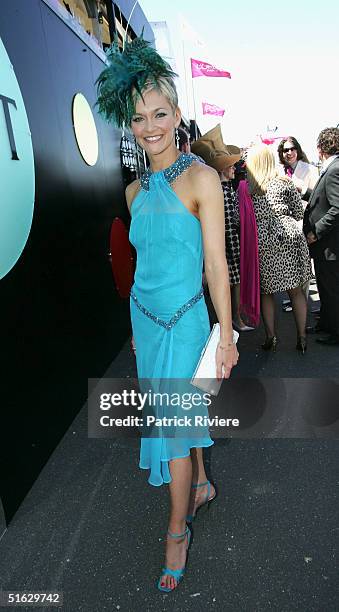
{"type": "Point", "coordinates": [128, 71]}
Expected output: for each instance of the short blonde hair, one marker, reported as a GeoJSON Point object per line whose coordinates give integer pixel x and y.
{"type": "Point", "coordinates": [168, 89]}
{"type": "Point", "coordinates": [164, 86]}
{"type": "Point", "coordinates": [261, 169]}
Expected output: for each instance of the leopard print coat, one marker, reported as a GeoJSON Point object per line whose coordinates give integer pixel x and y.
{"type": "Point", "coordinates": [284, 260]}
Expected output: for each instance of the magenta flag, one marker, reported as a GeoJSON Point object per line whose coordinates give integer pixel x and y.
{"type": "Point", "coordinates": [199, 68]}
{"type": "Point", "coordinates": [212, 109]}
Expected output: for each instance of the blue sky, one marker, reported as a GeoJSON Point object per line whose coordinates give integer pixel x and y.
{"type": "Point", "coordinates": [284, 62]}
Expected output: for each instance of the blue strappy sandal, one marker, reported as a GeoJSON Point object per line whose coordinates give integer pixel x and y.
{"type": "Point", "coordinates": [208, 499]}
{"type": "Point", "coordinates": [179, 573]}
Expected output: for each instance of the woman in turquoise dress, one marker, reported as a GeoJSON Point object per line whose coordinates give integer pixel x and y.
{"type": "Point", "coordinates": [177, 220]}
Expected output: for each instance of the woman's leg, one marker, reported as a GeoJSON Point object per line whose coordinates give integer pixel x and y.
{"type": "Point", "coordinates": [268, 313]}
{"type": "Point", "coordinates": [180, 489]}
{"type": "Point", "coordinates": [198, 468]}
{"type": "Point", "coordinates": [198, 494]}
{"type": "Point", "coordinates": [236, 316]}
{"type": "Point", "coordinates": [299, 305]}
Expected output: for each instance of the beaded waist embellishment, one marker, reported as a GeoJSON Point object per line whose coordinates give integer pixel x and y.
{"type": "Point", "coordinates": [169, 324]}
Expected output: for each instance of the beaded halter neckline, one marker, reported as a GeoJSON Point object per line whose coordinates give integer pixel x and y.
{"type": "Point", "coordinates": [171, 173]}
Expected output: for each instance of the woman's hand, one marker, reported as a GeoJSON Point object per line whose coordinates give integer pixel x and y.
{"type": "Point", "coordinates": [311, 238]}
{"type": "Point", "coordinates": [226, 358]}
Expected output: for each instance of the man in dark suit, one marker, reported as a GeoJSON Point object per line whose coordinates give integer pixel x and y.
{"type": "Point", "coordinates": [321, 227]}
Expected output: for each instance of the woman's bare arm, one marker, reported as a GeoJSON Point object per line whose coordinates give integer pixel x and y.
{"type": "Point", "coordinates": [210, 201]}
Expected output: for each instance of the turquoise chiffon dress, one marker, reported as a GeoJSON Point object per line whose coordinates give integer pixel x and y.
{"type": "Point", "coordinates": [169, 316]}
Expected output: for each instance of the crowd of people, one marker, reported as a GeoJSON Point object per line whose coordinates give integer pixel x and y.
{"type": "Point", "coordinates": [280, 187]}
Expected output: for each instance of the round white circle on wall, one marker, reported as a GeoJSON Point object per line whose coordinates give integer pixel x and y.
{"type": "Point", "coordinates": [16, 168]}
{"type": "Point", "coordinates": [85, 129]}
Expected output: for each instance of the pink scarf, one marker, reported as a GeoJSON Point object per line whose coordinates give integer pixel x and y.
{"type": "Point", "coordinates": [249, 259]}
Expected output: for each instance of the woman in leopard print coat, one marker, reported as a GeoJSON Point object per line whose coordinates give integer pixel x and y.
{"type": "Point", "coordinates": [283, 253]}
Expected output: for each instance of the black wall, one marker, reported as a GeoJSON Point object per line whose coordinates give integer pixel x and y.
{"type": "Point", "coordinates": [62, 319]}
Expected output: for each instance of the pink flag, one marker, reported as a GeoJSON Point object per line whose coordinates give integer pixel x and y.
{"type": "Point", "coordinates": [199, 68]}
{"type": "Point", "coordinates": [212, 109]}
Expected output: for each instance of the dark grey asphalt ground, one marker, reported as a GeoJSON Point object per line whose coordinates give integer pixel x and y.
{"type": "Point", "coordinates": [92, 527]}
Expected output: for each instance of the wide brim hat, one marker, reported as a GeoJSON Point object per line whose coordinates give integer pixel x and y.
{"type": "Point", "coordinates": [214, 151]}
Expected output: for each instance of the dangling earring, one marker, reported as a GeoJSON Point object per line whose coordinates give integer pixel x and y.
{"type": "Point", "coordinates": [177, 139]}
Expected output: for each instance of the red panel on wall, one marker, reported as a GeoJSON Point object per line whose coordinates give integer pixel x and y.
{"type": "Point", "coordinates": [122, 258]}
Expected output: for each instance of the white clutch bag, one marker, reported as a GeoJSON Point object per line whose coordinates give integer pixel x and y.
{"type": "Point", "coordinates": [204, 376]}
